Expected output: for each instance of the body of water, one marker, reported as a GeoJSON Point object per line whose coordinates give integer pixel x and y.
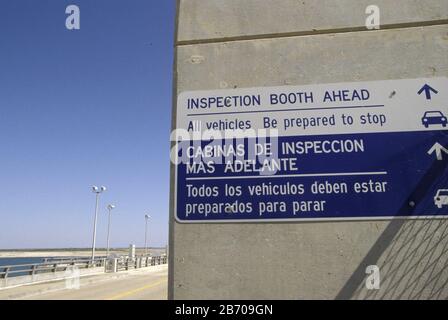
{"type": "Point", "coordinates": [16, 261]}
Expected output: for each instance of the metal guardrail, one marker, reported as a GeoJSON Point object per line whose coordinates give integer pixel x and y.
{"type": "Point", "coordinates": [57, 265]}
{"type": "Point", "coordinates": [140, 262]}
{"type": "Point", "coordinates": [47, 267]}
{"type": "Point", "coordinates": [72, 258]}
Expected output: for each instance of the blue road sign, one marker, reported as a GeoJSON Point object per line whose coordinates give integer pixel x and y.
{"type": "Point", "coordinates": [308, 153]}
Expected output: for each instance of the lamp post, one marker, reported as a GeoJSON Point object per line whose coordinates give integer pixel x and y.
{"type": "Point", "coordinates": [109, 208]}
{"type": "Point", "coordinates": [147, 217]}
{"type": "Point", "coordinates": [97, 192]}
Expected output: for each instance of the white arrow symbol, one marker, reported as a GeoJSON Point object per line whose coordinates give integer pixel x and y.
{"type": "Point", "coordinates": [438, 148]}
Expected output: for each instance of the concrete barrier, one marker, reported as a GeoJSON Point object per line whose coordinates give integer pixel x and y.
{"type": "Point", "coordinates": [62, 270]}
{"type": "Point", "coordinates": [46, 277]}
{"type": "Point", "coordinates": [250, 43]}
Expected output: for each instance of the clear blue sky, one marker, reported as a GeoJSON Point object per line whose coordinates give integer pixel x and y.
{"type": "Point", "coordinates": [84, 107]}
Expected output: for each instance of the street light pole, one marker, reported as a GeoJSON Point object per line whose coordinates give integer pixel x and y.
{"type": "Point", "coordinates": [97, 192]}
{"type": "Point", "coordinates": [109, 207]}
{"type": "Point", "coordinates": [147, 216]}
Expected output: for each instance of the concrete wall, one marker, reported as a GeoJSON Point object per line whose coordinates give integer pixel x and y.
{"type": "Point", "coordinates": [250, 43]}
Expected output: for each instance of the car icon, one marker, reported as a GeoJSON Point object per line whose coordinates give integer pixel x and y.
{"type": "Point", "coordinates": [441, 198]}
{"type": "Point", "coordinates": [434, 117]}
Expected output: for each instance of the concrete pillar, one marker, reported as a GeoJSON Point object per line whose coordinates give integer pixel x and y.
{"type": "Point", "coordinates": [253, 43]}
{"type": "Point", "coordinates": [132, 251]}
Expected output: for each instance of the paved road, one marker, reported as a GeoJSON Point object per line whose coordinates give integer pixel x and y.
{"type": "Point", "coordinates": [143, 284]}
